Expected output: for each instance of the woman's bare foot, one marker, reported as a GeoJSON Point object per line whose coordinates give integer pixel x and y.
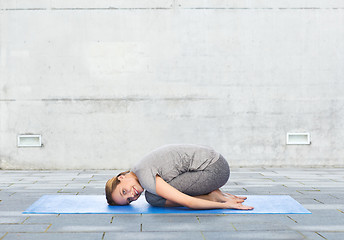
{"type": "Point", "coordinates": [218, 196]}
{"type": "Point", "coordinates": [233, 196]}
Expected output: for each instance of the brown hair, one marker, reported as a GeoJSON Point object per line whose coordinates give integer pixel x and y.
{"type": "Point", "coordinates": [110, 186]}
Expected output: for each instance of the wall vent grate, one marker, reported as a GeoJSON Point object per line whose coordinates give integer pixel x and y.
{"type": "Point", "coordinates": [29, 141]}
{"type": "Point", "coordinates": [298, 138]}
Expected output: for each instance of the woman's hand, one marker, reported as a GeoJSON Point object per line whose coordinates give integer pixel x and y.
{"type": "Point", "coordinates": [232, 203]}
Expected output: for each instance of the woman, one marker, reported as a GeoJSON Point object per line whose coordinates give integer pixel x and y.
{"type": "Point", "coordinates": [176, 175]}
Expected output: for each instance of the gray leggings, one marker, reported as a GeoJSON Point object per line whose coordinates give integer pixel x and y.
{"type": "Point", "coordinates": [197, 182]}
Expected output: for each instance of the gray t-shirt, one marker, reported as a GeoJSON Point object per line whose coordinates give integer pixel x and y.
{"type": "Point", "coordinates": [170, 161]}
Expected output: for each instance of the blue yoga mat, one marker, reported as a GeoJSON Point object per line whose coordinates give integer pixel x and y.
{"type": "Point", "coordinates": [96, 204]}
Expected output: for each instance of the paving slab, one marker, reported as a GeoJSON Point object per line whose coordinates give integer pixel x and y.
{"type": "Point", "coordinates": [12, 220]}
{"type": "Point", "coordinates": [332, 235]}
{"type": "Point", "coordinates": [23, 228]}
{"type": "Point", "coordinates": [173, 222]}
{"type": "Point", "coordinates": [155, 235]}
{"type": "Point", "coordinates": [254, 235]}
{"type": "Point", "coordinates": [53, 236]}
{"type": "Point", "coordinates": [312, 235]}
{"type": "Point", "coordinates": [89, 228]}
{"type": "Point", "coordinates": [338, 228]}
{"type": "Point", "coordinates": [92, 223]}
{"type": "Point", "coordinates": [83, 219]}
{"type": "Point", "coordinates": [41, 218]}
{"type": "Point", "coordinates": [16, 204]}
{"type": "Point", "coordinates": [259, 226]}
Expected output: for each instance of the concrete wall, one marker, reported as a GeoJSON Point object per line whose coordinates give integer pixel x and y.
{"type": "Point", "coordinates": [106, 81]}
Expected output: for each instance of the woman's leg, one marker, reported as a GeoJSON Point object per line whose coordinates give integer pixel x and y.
{"type": "Point", "coordinates": [197, 183]}
{"type": "Point", "coordinates": [203, 182]}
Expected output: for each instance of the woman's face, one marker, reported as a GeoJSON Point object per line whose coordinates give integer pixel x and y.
{"type": "Point", "coordinates": [128, 190]}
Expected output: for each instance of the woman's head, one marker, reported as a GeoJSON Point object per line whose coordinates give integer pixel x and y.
{"type": "Point", "coordinates": [123, 189]}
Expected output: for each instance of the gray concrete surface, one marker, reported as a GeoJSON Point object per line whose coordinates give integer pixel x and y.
{"type": "Point", "coordinates": [105, 78]}
{"type": "Point", "coordinates": [319, 189]}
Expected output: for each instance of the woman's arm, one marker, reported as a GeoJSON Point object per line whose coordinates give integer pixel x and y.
{"type": "Point", "coordinates": [174, 197]}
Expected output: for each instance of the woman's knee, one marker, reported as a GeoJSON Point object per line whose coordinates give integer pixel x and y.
{"type": "Point", "coordinates": [219, 173]}
{"type": "Point", "coordinates": [155, 200]}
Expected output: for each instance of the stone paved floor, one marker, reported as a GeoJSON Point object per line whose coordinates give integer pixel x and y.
{"type": "Point", "coordinates": [321, 190]}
